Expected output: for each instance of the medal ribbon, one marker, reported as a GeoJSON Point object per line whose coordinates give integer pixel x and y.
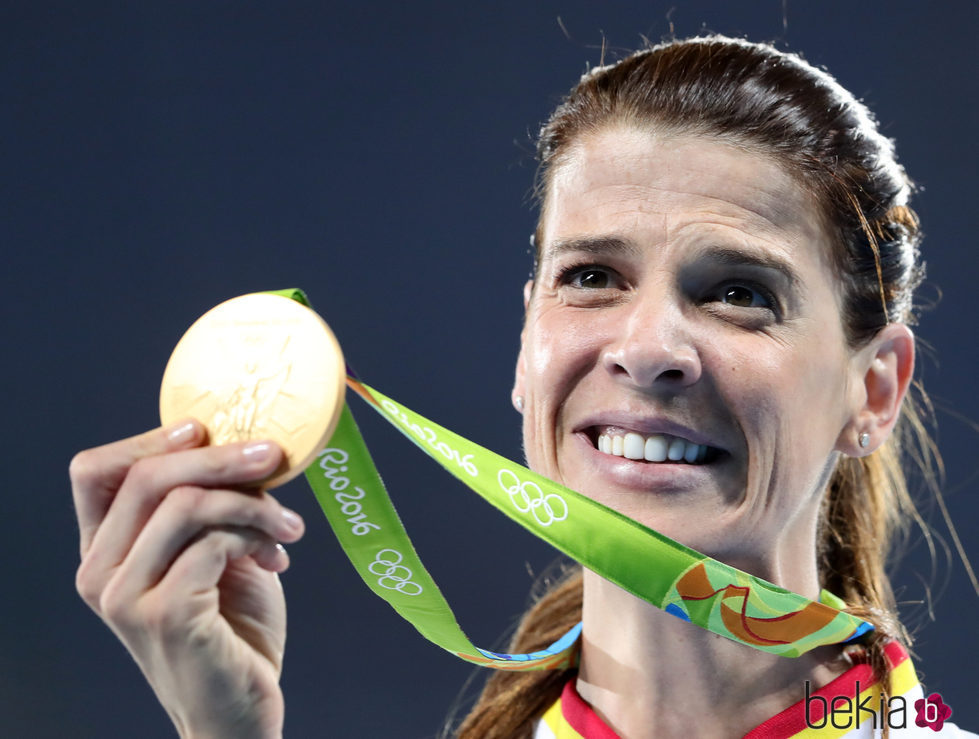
{"type": "Point", "coordinates": [681, 581]}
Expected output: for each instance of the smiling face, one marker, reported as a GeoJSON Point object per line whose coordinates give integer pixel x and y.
{"type": "Point", "coordinates": [683, 359]}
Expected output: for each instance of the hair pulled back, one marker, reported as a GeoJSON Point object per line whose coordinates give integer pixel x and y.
{"type": "Point", "coordinates": [774, 104]}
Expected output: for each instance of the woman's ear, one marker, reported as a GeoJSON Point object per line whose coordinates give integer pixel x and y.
{"type": "Point", "coordinates": [883, 369]}
{"type": "Point", "coordinates": [517, 395]}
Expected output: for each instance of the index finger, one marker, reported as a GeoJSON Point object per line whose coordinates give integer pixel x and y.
{"type": "Point", "coordinates": [96, 474]}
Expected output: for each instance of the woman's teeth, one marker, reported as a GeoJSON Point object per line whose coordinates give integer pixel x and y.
{"type": "Point", "coordinates": [655, 448]}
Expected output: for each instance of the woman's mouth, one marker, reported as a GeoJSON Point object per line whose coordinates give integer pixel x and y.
{"type": "Point", "coordinates": [656, 448]}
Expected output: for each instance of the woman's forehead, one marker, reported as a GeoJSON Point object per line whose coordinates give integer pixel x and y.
{"type": "Point", "coordinates": [625, 172]}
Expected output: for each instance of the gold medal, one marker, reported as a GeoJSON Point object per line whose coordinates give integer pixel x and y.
{"type": "Point", "coordinates": [259, 366]}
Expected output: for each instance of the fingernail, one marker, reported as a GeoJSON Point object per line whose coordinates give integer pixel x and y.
{"type": "Point", "coordinates": [283, 558]}
{"type": "Point", "coordinates": [257, 451]}
{"type": "Point", "coordinates": [292, 520]}
{"type": "Point", "coordinates": [182, 433]}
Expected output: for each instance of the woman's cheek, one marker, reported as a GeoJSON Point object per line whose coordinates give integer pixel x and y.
{"type": "Point", "coordinates": [557, 347]}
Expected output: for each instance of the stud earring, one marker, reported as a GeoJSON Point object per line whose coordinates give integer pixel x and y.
{"type": "Point", "coordinates": [518, 403]}
{"type": "Point", "coordinates": [864, 440]}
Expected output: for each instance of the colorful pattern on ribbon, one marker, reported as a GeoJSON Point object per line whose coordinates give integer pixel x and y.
{"type": "Point", "coordinates": [741, 610]}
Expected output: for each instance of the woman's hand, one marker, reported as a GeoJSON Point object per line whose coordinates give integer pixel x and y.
{"type": "Point", "coordinates": [180, 557]}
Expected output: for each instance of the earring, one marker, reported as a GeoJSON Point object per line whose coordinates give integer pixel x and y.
{"type": "Point", "coordinates": [864, 440]}
{"type": "Point", "coordinates": [518, 403]}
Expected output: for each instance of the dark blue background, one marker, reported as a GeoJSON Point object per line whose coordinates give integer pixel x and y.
{"type": "Point", "coordinates": [159, 157]}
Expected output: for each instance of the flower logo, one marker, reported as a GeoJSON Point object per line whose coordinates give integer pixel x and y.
{"type": "Point", "coordinates": [932, 712]}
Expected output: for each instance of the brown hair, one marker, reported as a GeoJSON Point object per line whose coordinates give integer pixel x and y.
{"type": "Point", "coordinates": [776, 104]}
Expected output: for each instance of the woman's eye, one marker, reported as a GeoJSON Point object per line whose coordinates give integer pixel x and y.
{"type": "Point", "coordinates": [588, 277]}
{"type": "Point", "coordinates": [743, 296]}
{"type": "Point", "coordinates": [593, 278]}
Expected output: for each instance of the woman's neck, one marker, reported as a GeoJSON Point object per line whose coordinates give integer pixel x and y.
{"type": "Point", "coordinates": [648, 673]}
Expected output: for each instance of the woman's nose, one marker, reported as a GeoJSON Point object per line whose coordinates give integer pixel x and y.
{"type": "Point", "coordinates": [652, 345]}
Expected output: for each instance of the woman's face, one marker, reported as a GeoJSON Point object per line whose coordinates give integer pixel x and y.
{"type": "Point", "coordinates": [685, 307]}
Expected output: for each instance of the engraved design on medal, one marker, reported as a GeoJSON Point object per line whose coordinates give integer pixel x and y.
{"type": "Point", "coordinates": [241, 415]}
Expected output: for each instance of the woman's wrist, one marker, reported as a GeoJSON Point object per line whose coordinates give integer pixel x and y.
{"type": "Point", "coordinates": [231, 732]}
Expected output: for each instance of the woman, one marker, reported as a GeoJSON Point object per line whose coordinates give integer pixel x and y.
{"type": "Point", "coordinates": [716, 345]}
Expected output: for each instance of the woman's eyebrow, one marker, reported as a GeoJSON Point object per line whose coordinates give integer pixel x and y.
{"type": "Point", "coordinates": [726, 256]}
{"type": "Point", "coordinates": [599, 245]}
{"type": "Point", "coordinates": [729, 257]}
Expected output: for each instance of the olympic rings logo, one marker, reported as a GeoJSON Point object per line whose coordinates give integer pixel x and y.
{"type": "Point", "coordinates": [392, 574]}
{"type": "Point", "coordinates": [527, 497]}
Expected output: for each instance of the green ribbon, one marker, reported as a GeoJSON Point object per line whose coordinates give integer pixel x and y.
{"type": "Point", "coordinates": [647, 564]}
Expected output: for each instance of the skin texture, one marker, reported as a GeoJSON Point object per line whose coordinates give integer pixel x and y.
{"type": "Point", "coordinates": [684, 287]}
